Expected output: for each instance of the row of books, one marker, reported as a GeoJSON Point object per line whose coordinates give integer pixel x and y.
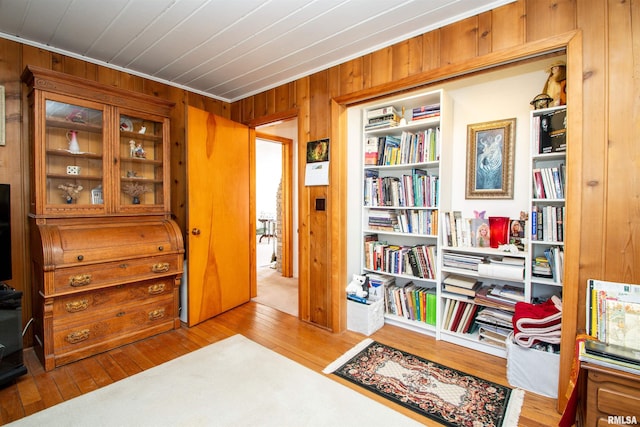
{"type": "Point", "coordinates": [613, 313]}
{"type": "Point", "coordinates": [419, 260]}
{"type": "Point", "coordinates": [547, 223]}
{"type": "Point", "coordinates": [418, 189]}
{"type": "Point", "coordinates": [458, 316]}
{"type": "Point", "coordinates": [404, 221]}
{"type": "Point", "coordinates": [550, 265]}
{"type": "Point", "coordinates": [411, 302]}
{"type": "Point", "coordinates": [466, 232]}
{"type": "Point", "coordinates": [409, 148]}
{"type": "Point", "coordinates": [550, 131]}
{"type": "Point", "coordinates": [549, 183]}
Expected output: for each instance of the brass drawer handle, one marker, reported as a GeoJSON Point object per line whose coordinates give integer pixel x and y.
{"type": "Point", "coordinates": [80, 280]}
{"type": "Point", "coordinates": [160, 267]}
{"type": "Point", "coordinates": [156, 314]}
{"type": "Point", "coordinates": [75, 306]}
{"type": "Point", "coordinates": [156, 288]}
{"type": "Point", "coordinates": [78, 336]}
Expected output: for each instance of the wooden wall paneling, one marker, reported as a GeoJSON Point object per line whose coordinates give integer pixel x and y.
{"type": "Point", "coordinates": [400, 59]}
{"type": "Point", "coordinates": [284, 98]}
{"type": "Point", "coordinates": [622, 233]}
{"type": "Point", "coordinates": [319, 291]}
{"type": "Point", "coordinates": [108, 76]}
{"type": "Point", "coordinates": [35, 56]}
{"type": "Point", "coordinates": [458, 41]}
{"type": "Point", "coordinates": [508, 25]}
{"type": "Point", "coordinates": [351, 75]}
{"type": "Point", "coordinates": [592, 161]}
{"type": "Point", "coordinates": [248, 112]}
{"type": "Point", "coordinates": [304, 253]}
{"type": "Point", "coordinates": [381, 69]}
{"type": "Point", "coordinates": [416, 53]}
{"type": "Point", "coordinates": [485, 35]}
{"type": "Point", "coordinates": [260, 103]}
{"type": "Point", "coordinates": [549, 17]}
{"type": "Point", "coordinates": [430, 50]}
{"type": "Point", "coordinates": [79, 68]}
{"type": "Point", "coordinates": [14, 160]}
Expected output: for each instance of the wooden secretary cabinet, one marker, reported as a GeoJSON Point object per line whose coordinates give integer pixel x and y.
{"type": "Point", "coordinates": [106, 257]}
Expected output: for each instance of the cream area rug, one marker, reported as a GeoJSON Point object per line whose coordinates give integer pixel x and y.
{"type": "Point", "coordinates": [234, 382]}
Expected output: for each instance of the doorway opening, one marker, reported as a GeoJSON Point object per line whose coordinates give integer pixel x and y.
{"type": "Point", "coordinates": [276, 233]}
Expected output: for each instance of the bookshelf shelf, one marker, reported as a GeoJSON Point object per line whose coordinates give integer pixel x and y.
{"type": "Point", "coordinates": [400, 203]}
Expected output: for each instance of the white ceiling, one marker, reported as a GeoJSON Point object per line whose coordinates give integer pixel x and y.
{"type": "Point", "coordinates": [225, 49]}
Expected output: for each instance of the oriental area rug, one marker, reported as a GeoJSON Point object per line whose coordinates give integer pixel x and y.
{"type": "Point", "coordinates": [445, 395]}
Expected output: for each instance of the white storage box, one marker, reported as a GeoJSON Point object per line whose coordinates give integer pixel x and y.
{"type": "Point", "coordinates": [365, 318]}
{"type": "Point", "coordinates": [532, 370]}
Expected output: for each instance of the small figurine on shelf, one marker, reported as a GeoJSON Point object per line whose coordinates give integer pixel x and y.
{"type": "Point", "coordinates": [70, 191]}
{"type": "Point", "coordinates": [135, 190]}
{"type": "Point", "coordinates": [142, 130]}
{"type": "Point", "coordinates": [556, 85]}
{"type": "Point", "coordinates": [136, 150]}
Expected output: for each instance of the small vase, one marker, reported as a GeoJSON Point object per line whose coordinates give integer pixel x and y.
{"type": "Point", "coordinates": [69, 200]}
{"type": "Point", "coordinates": [136, 200]}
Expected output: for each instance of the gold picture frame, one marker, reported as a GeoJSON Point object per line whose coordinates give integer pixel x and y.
{"type": "Point", "coordinates": [490, 158]}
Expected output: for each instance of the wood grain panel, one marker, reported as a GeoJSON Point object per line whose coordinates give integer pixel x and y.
{"type": "Point", "coordinates": [622, 250]}
{"type": "Point", "coordinates": [260, 103]}
{"type": "Point", "coordinates": [431, 50]}
{"type": "Point", "coordinates": [304, 292]}
{"type": "Point", "coordinates": [508, 25]}
{"type": "Point", "coordinates": [549, 17]}
{"type": "Point", "coordinates": [351, 75]}
{"type": "Point", "coordinates": [381, 67]}
{"type": "Point", "coordinates": [459, 41]}
{"type": "Point", "coordinates": [485, 35]}
{"type": "Point", "coordinates": [400, 60]}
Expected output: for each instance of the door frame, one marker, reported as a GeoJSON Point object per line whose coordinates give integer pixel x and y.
{"type": "Point", "coordinates": [287, 193]}
{"type": "Point", "coordinates": [287, 199]}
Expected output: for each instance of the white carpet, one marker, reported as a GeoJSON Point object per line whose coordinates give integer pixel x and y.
{"type": "Point", "coordinates": [234, 382]}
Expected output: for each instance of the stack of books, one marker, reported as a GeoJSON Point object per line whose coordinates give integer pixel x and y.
{"type": "Point", "coordinates": [540, 267]}
{"type": "Point", "coordinates": [382, 117]}
{"type": "Point", "coordinates": [461, 285]}
{"type": "Point", "coordinates": [426, 111]}
{"type": "Point", "coordinates": [491, 297]}
{"type": "Point", "coordinates": [494, 326]}
{"type": "Point", "coordinates": [462, 261]}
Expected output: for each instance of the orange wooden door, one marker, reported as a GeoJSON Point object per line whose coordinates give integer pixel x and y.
{"type": "Point", "coordinates": [218, 244]}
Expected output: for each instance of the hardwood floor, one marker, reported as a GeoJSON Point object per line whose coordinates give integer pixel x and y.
{"type": "Point", "coordinates": [309, 345]}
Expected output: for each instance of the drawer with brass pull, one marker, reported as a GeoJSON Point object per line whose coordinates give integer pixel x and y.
{"type": "Point", "coordinates": [70, 308]}
{"type": "Point", "coordinates": [91, 276]}
{"type": "Point", "coordinates": [114, 322]}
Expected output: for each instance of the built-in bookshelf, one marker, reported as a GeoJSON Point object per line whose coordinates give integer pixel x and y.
{"type": "Point", "coordinates": [401, 192]}
{"type": "Point", "coordinates": [547, 200]}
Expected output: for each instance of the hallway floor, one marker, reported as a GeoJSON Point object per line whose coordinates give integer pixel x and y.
{"type": "Point", "coordinates": [274, 290]}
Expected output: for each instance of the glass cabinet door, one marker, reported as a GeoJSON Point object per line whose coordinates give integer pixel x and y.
{"type": "Point", "coordinates": [74, 169]}
{"type": "Point", "coordinates": [141, 158]}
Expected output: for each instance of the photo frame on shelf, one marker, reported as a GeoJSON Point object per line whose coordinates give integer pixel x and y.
{"type": "Point", "coordinates": [490, 158]}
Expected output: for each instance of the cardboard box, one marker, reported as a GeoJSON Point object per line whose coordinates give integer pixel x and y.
{"type": "Point", "coordinates": [532, 370]}
{"type": "Point", "coordinates": [365, 318]}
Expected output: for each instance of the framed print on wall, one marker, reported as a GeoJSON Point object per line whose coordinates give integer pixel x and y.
{"type": "Point", "coordinates": [490, 157]}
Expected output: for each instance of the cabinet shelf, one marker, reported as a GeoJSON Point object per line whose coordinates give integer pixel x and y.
{"type": "Point", "coordinates": [67, 153]}
{"type": "Point", "coordinates": [423, 165]}
{"type": "Point", "coordinates": [70, 125]}
{"type": "Point", "coordinates": [410, 126]}
{"type": "Point", "coordinates": [75, 177]}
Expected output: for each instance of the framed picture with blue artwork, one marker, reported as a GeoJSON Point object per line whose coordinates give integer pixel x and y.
{"type": "Point", "coordinates": [490, 157]}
